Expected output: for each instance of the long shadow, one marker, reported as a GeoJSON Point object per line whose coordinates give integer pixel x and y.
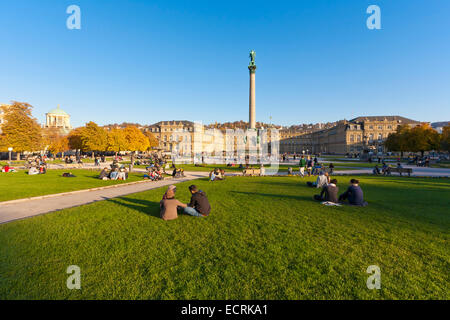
{"type": "Point", "coordinates": [149, 208]}
{"type": "Point", "coordinates": [309, 198]}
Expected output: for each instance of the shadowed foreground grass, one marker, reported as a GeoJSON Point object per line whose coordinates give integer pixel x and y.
{"type": "Point", "coordinates": [20, 185]}
{"type": "Point", "coordinates": [265, 239]}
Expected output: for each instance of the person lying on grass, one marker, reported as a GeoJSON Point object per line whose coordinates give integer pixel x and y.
{"type": "Point", "coordinates": [199, 205]}
{"type": "Point", "coordinates": [169, 205]}
{"type": "Point", "coordinates": [329, 192]}
{"type": "Point", "coordinates": [354, 194]}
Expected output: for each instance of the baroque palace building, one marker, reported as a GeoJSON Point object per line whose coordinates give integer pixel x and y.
{"type": "Point", "coordinates": [173, 133]}
{"type": "Point", "coordinates": [353, 136]}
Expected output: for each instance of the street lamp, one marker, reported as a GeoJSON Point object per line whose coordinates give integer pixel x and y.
{"type": "Point", "coordinates": [10, 150]}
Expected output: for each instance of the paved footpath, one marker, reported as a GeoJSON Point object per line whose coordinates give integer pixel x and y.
{"type": "Point", "coordinates": [24, 208]}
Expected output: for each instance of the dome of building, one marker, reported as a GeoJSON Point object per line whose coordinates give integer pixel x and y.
{"type": "Point", "coordinates": [58, 111]}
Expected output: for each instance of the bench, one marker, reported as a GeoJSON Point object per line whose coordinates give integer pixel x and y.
{"type": "Point", "coordinates": [251, 172]}
{"type": "Point", "coordinates": [400, 171]}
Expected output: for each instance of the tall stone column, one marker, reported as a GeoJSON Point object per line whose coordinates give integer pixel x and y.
{"type": "Point", "coordinates": [252, 95]}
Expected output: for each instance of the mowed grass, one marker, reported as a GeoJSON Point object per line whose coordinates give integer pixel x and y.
{"type": "Point", "coordinates": [18, 185]}
{"type": "Point", "coordinates": [265, 239]}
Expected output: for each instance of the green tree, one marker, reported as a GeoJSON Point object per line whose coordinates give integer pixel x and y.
{"type": "Point", "coordinates": [398, 141]}
{"type": "Point", "coordinates": [423, 138]}
{"type": "Point", "coordinates": [20, 131]}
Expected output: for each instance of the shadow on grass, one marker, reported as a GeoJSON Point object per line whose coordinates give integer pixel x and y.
{"type": "Point", "coordinates": [149, 208]}
{"type": "Point", "coordinates": [308, 198]}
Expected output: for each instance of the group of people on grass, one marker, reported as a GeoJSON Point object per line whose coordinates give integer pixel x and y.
{"type": "Point", "coordinates": [329, 193]}
{"type": "Point", "coordinates": [199, 205]}
{"type": "Point", "coordinates": [153, 173]}
{"type": "Point", "coordinates": [217, 174]}
{"type": "Point", "coordinates": [115, 173]}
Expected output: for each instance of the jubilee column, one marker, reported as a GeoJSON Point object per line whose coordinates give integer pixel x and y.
{"type": "Point", "coordinates": [252, 103]}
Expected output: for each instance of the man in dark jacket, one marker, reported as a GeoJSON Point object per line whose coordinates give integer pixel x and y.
{"type": "Point", "coordinates": [329, 192]}
{"type": "Point", "coordinates": [354, 194]}
{"type": "Point", "coordinates": [199, 205]}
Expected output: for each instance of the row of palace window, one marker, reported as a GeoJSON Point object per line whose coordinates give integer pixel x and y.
{"type": "Point", "coordinates": [371, 137]}
{"type": "Point", "coordinates": [171, 129]}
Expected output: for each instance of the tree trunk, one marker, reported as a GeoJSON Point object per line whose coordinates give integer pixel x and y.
{"type": "Point", "coordinates": [132, 161]}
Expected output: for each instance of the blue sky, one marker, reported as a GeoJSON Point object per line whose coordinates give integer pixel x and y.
{"type": "Point", "coordinates": [146, 61]}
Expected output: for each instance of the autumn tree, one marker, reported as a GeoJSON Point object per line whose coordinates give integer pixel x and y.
{"type": "Point", "coordinates": [59, 146]}
{"type": "Point", "coordinates": [445, 139]}
{"type": "Point", "coordinates": [93, 138]}
{"type": "Point", "coordinates": [153, 141]}
{"type": "Point", "coordinates": [20, 131]}
{"type": "Point", "coordinates": [136, 141]}
{"type": "Point", "coordinates": [74, 139]}
{"type": "Point", "coordinates": [116, 140]}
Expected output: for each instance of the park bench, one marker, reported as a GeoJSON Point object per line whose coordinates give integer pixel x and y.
{"type": "Point", "coordinates": [251, 172]}
{"type": "Point", "coordinates": [400, 171]}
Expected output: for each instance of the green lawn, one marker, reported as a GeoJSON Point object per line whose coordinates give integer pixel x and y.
{"type": "Point", "coordinates": [265, 239]}
{"type": "Point", "coordinates": [19, 185]}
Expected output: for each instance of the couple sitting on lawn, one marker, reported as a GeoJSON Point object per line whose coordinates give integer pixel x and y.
{"type": "Point", "coordinates": [198, 207]}
{"type": "Point", "coordinates": [354, 194]}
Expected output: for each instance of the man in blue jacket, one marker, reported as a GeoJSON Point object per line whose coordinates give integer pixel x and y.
{"type": "Point", "coordinates": [354, 194]}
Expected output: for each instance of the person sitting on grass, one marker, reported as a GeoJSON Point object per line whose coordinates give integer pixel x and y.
{"type": "Point", "coordinates": [104, 174]}
{"type": "Point", "coordinates": [169, 205]}
{"type": "Point", "coordinates": [322, 180]}
{"type": "Point", "coordinates": [329, 192]}
{"type": "Point", "coordinates": [331, 166]}
{"type": "Point", "coordinates": [122, 175]}
{"type": "Point", "coordinates": [376, 170]}
{"type": "Point", "coordinates": [114, 174]}
{"type": "Point", "coordinates": [33, 171]}
{"type": "Point", "coordinates": [199, 205]}
{"type": "Point", "coordinates": [354, 194]}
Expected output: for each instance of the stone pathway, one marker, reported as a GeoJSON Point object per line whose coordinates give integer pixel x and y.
{"type": "Point", "coordinates": [24, 208]}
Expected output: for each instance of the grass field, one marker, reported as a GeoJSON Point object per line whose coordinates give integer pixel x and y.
{"type": "Point", "coordinates": [265, 239]}
{"type": "Point", "coordinates": [19, 185]}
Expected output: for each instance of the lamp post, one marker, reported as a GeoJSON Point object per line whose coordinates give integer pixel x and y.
{"type": "Point", "coordinates": [10, 150]}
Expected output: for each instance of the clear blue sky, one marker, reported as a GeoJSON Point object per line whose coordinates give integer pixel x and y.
{"type": "Point", "coordinates": [146, 61]}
